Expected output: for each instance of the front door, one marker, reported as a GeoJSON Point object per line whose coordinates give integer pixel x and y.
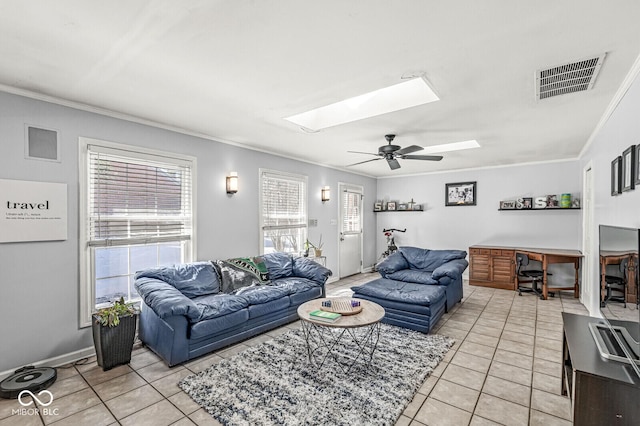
{"type": "Point", "coordinates": [350, 246]}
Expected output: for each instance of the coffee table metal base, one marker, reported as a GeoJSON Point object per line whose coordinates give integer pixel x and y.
{"type": "Point", "coordinates": [324, 343]}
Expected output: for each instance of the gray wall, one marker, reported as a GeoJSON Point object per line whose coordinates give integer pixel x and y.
{"type": "Point", "coordinates": [39, 284]}
{"type": "Point", "coordinates": [458, 227]}
{"type": "Point", "coordinates": [621, 130]}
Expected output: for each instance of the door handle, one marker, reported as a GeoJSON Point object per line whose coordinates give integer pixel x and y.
{"type": "Point", "coordinates": [341, 236]}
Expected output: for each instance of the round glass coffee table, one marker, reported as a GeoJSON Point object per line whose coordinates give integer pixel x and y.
{"type": "Point", "coordinates": [327, 340]}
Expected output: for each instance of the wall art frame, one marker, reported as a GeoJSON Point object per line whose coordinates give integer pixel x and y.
{"type": "Point", "coordinates": [460, 194]}
{"type": "Point", "coordinates": [637, 162]}
{"type": "Point", "coordinates": [628, 178]}
{"type": "Point", "coordinates": [616, 175]}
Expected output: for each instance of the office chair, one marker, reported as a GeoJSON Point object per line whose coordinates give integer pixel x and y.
{"type": "Point", "coordinates": [617, 284]}
{"type": "Point", "coordinates": [533, 276]}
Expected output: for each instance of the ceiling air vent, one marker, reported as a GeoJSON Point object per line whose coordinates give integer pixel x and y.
{"type": "Point", "coordinates": [568, 78]}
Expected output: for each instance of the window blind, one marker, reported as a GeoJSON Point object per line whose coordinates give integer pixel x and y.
{"type": "Point", "coordinates": [351, 212]}
{"type": "Point", "coordinates": [283, 202]}
{"type": "Point", "coordinates": [137, 199]}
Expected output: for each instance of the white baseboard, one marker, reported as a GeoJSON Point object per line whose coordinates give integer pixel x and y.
{"type": "Point", "coordinates": [56, 361]}
{"type": "Point", "coordinates": [332, 280]}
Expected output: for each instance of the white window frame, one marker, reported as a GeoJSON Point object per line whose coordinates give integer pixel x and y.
{"type": "Point", "coordinates": [87, 266]}
{"type": "Point", "coordinates": [282, 175]}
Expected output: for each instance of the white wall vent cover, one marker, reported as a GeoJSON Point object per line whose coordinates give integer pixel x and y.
{"type": "Point", "coordinates": [568, 78]}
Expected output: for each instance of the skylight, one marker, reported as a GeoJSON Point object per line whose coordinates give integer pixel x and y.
{"type": "Point", "coordinates": [400, 96]}
{"type": "Point", "coordinates": [448, 147]}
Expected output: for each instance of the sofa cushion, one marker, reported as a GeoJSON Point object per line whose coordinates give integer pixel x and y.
{"type": "Point", "coordinates": [307, 268]}
{"type": "Point", "coordinates": [191, 279]}
{"type": "Point", "coordinates": [294, 285]}
{"type": "Point", "coordinates": [400, 291]}
{"type": "Point", "coordinates": [217, 305]}
{"type": "Point", "coordinates": [256, 295]}
{"type": "Point", "coordinates": [267, 308]}
{"type": "Point", "coordinates": [412, 276]}
{"type": "Point", "coordinates": [428, 260]}
{"type": "Point", "coordinates": [206, 329]}
{"type": "Point", "coordinates": [279, 264]}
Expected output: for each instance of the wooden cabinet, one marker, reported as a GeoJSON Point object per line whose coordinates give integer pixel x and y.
{"type": "Point", "coordinates": [492, 267]}
{"type": "Point", "coordinates": [602, 392]}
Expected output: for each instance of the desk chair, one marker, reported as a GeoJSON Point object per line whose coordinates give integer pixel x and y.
{"type": "Point", "coordinates": [617, 284]}
{"type": "Point", "coordinates": [533, 276]}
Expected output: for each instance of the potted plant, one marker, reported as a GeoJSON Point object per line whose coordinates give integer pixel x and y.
{"type": "Point", "coordinates": [317, 248]}
{"type": "Point", "coordinates": [114, 330]}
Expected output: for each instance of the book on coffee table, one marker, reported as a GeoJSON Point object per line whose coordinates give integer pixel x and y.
{"type": "Point", "coordinates": [321, 315]}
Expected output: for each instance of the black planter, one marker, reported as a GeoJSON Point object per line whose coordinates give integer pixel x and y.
{"type": "Point", "coordinates": [114, 344]}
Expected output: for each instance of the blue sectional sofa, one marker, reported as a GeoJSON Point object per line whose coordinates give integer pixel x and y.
{"type": "Point", "coordinates": [417, 286]}
{"type": "Point", "coordinates": [191, 309]}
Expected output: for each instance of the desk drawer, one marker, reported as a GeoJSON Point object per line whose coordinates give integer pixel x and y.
{"type": "Point", "coordinates": [476, 250]}
{"type": "Point", "coordinates": [495, 252]}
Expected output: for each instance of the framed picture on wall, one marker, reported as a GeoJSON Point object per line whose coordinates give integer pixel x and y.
{"type": "Point", "coordinates": [637, 162]}
{"type": "Point", "coordinates": [391, 205]}
{"type": "Point", "coordinates": [460, 194]}
{"type": "Point", "coordinates": [628, 169]}
{"type": "Point", "coordinates": [616, 174]}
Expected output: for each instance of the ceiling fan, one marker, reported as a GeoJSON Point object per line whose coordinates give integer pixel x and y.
{"type": "Point", "coordinates": [392, 152]}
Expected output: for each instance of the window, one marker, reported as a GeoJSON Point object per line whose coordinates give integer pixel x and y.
{"type": "Point", "coordinates": [283, 206]}
{"type": "Point", "coordinates": [351, 215]}
{"type": "Point", "coordinates": [136, 213]}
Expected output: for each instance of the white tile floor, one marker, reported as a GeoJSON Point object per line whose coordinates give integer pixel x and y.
{"type": "Point", "coordinates": [504, 369]}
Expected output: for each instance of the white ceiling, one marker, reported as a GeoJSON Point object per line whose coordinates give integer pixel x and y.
{"type": "Point", "coordinates": [232, 70]}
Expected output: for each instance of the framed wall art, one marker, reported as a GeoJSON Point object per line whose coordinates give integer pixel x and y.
{"type": "Point", "coordinates": [628, 179]}
{"type": "Point", "coordinates": [32, 211]}
{"type": "Point", "coordinates": [460, 194]}
{"type": "Point", "coordinates": [508, 205]}
{"type": "Point", "coordinates": [616, 174]}
{"type": "Point", "coordinates": [637, 168]}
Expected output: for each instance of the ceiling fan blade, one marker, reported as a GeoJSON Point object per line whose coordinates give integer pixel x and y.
{"type": "Point", "coordinates": [360, 152]}
{"type": "Point", "coordinates": [393, 163]}
{"type": "Point", "coordinates": [422, 157]}
{"type": "Point", "coordinates": [409, 149]}
{"type": "Point", "coordinates": [362, 162]}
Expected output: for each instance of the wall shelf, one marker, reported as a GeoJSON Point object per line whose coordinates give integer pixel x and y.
{"type": "Point", "coordinates": [397, 211]}
{"type": "Point", "coordinates": [537, 210]}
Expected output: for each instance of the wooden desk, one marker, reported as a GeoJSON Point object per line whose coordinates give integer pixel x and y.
{"type": "Point", "coordinates": [550, 256]}
{"type": "Point", "coordinates": [615, 258]}
{"type": "Point", "coordinates": [494, 266]}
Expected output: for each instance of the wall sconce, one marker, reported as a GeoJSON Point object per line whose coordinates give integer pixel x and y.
{"type": "Point", "coordinates": [232, 183]}
{"type": "Point", "coordinates": [325, 193]}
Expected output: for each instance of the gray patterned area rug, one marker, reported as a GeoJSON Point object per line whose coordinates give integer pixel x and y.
{"type": "Point", "coordinates": [274, 384]}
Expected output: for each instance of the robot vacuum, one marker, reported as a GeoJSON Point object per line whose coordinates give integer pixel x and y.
{"type": "Point", "coordinates": [27, 378]}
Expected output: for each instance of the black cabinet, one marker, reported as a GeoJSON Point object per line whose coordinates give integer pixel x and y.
{"type": "Point", "coordinates": [602, 392]}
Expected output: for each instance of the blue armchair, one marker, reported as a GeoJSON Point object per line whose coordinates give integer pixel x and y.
{"type": "Point", "coordinates": [443, 268]}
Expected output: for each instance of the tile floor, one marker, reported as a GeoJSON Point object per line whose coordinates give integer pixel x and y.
{"type": "Point", "coordinates": [504, 369]}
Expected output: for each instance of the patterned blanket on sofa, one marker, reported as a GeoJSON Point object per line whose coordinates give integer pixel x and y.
{"type": "Point", "coordinates": [241, 272]}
